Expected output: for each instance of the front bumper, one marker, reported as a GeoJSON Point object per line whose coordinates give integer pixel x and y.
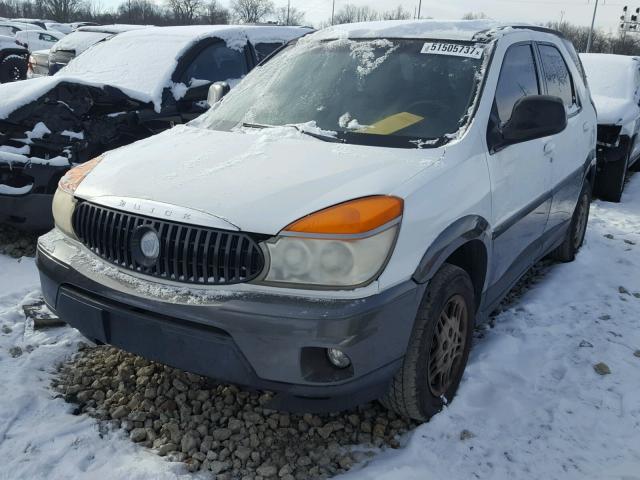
{"type": "Point", "coordinates": [254, 339]}
{"type": "Point", "coordinates": [30, 210]}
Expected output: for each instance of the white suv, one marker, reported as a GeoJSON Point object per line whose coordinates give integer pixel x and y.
{"type": "Point", "coordinates": [333, 228]}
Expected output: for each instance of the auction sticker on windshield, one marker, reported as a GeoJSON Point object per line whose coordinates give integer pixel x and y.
{"type": "Point", "coordinates": [452, 49]}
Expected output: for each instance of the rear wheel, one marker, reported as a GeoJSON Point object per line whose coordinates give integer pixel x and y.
{"type": "Point", "coordinates": [574, 238]}
{"type": "Point", "coordinates": [438, 348]}
{"type": "Point", "coordinates": [13, 68]}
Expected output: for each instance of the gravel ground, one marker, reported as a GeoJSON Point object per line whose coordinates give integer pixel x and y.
{"type": "Point", "coordinates": [220, 428]}
{"type": "Point", "coordinates": [17, 244]}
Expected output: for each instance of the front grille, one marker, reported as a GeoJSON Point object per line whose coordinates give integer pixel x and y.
{"type": "Point", "coordinates": [188, 253]}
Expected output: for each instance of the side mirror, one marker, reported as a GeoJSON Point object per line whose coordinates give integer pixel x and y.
{"type": "Point", "coordinates": [216, 92]}
{"type": "Point", "coordinates": [534, 117]}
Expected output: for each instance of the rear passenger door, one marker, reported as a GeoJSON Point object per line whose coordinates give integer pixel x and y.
{"type": "Point", "coordinates": [520, 175]}
{"type": "Point", "coordinates": [568, 150]}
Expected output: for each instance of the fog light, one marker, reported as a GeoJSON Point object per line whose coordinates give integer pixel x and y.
{"type": "Point", "coordinates": [338, 358]}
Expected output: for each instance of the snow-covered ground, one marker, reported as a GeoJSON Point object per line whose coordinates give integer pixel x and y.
{"type": "Point", "coordinates": [530, 405]}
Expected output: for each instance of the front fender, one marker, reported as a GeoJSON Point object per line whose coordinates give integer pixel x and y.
{"type": "Point", "coordinates": [463, 230]}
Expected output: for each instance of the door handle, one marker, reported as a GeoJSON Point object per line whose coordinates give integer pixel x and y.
{"type": "Point", "coordinates": [549, 147]}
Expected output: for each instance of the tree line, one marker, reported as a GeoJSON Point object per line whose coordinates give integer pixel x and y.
{"type": "Point", "coordinates": [190, 12]}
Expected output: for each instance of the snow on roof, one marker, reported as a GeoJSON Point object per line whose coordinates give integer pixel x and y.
{"type": "Point", "coordinates": [432, 29]}
{"type": "Point", "coordinates": [22, 25]}
{"type": "Point", "coordinates": [272, 34]}
{"type": "Point", "coordinates": [114, 28]}
{"type": "Point", "coordinates": [610, 75]}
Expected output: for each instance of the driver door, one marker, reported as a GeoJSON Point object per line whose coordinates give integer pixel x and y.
{"type": "Point", "coordinates": [520, 176]}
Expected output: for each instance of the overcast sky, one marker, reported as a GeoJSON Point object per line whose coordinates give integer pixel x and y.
{"type": "Point", "coordinates": [535, 11]}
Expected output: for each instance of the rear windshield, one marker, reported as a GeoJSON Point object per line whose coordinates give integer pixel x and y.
{"type": "Point", "coordinates": [385, 92]}
{"type": "Point", "coordinates": [78, 42]}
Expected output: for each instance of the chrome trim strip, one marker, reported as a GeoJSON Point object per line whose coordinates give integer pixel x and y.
{"type": "Point", "coordinates": [162, 211]}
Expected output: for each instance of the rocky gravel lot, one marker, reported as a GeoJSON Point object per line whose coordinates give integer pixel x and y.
{"type": "Point", "coordinates": [17, 244]}
{"type": "Point", "coordinates": [220, 428]}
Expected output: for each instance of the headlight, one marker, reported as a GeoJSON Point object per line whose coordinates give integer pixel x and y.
{"type": "Point", "coordinates": [342, 246]}
{"type": "Point", "coordinates": [64, 202]}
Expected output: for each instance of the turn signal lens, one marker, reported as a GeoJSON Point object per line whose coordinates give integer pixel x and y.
{"type": "Point", "coordinates": [353, 217]}
{"type": "Point", "coordinates": [72, 179]}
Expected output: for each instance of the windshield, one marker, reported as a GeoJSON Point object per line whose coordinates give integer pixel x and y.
{"type": "Point", "coordinates": [372, 92]}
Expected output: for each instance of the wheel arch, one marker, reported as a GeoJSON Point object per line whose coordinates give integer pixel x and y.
{"type": "Point", "coordinates": [466, 244]}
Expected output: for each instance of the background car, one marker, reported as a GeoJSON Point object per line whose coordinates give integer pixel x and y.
{"type": "Point", "coordinates": [38, 39]}
{"type": "Point", "coordinates": [77, 42]}
{"type": "Point", "coordinates": [615, 87]}
{"type": "Point", "coordinates": [129, 87]}
{"type": "Point", "coordinates": [10, 28]}
{"type": "Point", "coordinates": [38, 65]}
{"type": "Point", "coordinates": [13, 60]}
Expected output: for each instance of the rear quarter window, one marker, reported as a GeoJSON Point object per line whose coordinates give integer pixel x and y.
{"type": "Point", "coordinates": [557, 77]}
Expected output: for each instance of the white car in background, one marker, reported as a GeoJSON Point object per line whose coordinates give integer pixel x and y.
{"type": "Point", "coordinates": [614, 81]}
{"type": "Point", "coordinates": [10, 28]}
{"type": "Point", "coordinates": [34, 40]}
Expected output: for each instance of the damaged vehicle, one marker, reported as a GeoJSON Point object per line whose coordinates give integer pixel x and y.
{"type": "Point", "coordinates": [614, 81]}
{"type": "Point", "coordinates": [13, 60]}
{"type": "Point", "coordinates": [333, 228]}
{"type": "Point", "coordinates": [132, 86]}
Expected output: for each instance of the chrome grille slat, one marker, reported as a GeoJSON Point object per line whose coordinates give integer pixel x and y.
{"type": "Point", "coordinates": [188, 253]}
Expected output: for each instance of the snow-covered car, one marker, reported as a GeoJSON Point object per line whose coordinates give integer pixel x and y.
{"type": "Point", "coordinates": [13, 60]}
{"type": "Point", "coordinates": [38, 39]}
{"type": "Point", "coordinates": [129, 87]}
{"type": "Point", "coordinates": [72, 45]}
{"type": "Point", "coordinates": [64, 28]}
{"type": "Point", "coordinates": [10, 28]}
{"type": "Point", "coordinates": [38, 65]}
{"type": "Point", "coordinates": [341, 219]}
{"type": "Point", "coordinates": [614, 81]}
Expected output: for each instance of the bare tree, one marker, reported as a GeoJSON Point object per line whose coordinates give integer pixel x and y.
{"type": "Point", "coordinates": [252, 11]}
{"type": "Point", "coordinates": [216, 14]}
{"type": "Point", "coordinates": [474, 16]}
{"type": "Point", "coordinates": [186, 11]}
{"type": "Point", "coordinates": [398, 13]}
{"type": "Point", "coordinates": [351, 13]}
{"type": "Point", "coordinates": [61, 10]}
{"type": "Point", "coordinates": [289, 16]}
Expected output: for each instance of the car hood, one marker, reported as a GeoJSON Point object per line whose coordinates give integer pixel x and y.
{"type": "Point", "coordinates": [615, 111]}
{"type": "Point", "coordinates": [259, 181]}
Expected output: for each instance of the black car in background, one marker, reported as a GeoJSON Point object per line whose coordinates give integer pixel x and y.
{"type": "Point", "coordinates": [127, 88]}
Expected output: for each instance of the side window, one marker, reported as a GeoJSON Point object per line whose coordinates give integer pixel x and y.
{"type": "Point", "coordinates": [47, 38]}
{"type": "Point", "coordinates": [518, 78]}
{"type": "Point", "coordinates": [263, 50]}
{"type": "Point", "coordinates": [215, 63]}
{"type": "Point", "coordinates": [557, 76]}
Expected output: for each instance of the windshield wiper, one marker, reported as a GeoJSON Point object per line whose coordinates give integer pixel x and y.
{"type": "Point", "coordinates": [319, 136]}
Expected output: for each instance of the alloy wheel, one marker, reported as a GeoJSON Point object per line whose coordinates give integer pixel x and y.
{"type": "Point", "coordinates": [447, 345]}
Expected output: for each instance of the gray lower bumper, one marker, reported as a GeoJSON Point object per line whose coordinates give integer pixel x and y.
{"type": "Point", "coordinates": [262, 341]}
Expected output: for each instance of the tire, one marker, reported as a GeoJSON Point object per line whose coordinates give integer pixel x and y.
{"type": "Point", "coordinates": [418, 390]}
{"type": "Point", "coordinates": [611, 179]}
{"type": "Point", "coordinates": [574, 238]}
{"type": "Point", "coordinates": [13, 68]}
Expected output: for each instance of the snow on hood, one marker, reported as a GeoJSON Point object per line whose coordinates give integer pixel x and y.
{"type": "Point", "coordinates": [260, 182]}
{"type": "Point", "coordinates": [612, 81]}
{"type": "Point", "coordinates": [8, 42]}
{"type": "Point", "coordinates": [427, 29]}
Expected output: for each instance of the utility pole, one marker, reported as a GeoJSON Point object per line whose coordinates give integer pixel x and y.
{"type": "Point", "coordinates": [419, 8]}
{"type": "Point", "coordinates": [593, 21]}
{"type": "Point", "coordinates": [333, 11]}
{"type": "Point", "coordinates": [288, 12]}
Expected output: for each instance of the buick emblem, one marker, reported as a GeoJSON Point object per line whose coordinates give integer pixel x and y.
{"type": "Point", "coordinates": [145, 245]}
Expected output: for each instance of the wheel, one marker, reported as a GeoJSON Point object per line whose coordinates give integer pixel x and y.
{"type": "Point", "coordinates": [574, 239]}
{"type": "Point", "coordinates": [438, 348]}
{"type": "Point", "coordinates": [611, 179]}
{"type": "Point", "coordinates": [13, 68]}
